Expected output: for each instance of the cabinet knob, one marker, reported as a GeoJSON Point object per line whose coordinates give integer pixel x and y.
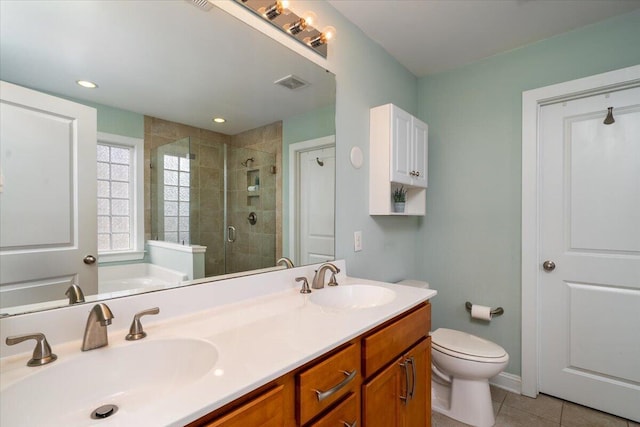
{"type": "Point", "coordinates": [417, 173]}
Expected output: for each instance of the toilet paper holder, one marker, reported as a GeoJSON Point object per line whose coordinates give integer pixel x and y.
{"type": "Point", "coordinates": [494, 312]}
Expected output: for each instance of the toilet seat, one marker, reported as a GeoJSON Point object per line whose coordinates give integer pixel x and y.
{"type": "Point", "coordinates": [466, 346]}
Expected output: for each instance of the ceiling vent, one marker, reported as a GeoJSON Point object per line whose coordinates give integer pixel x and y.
{"type": "Point", "coordinates": [201, 4]}
{"type": "Point", "coordinates": [292, 82]}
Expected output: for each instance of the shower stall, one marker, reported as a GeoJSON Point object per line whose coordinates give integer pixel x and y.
{"type": "Point", "coordinates": [216, 195]}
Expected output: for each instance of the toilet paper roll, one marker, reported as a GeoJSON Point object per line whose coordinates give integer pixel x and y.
{"type": "Point", "coordinates": [481, 312]}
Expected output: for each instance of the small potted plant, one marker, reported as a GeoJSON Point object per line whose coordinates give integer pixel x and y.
{"type": "Point", "coordinates": [399, 199]}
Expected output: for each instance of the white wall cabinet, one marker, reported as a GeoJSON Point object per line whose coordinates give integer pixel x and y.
{"type": "Point", "coordinates": [398, 149]}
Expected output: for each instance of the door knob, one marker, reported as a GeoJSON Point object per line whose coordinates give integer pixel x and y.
{"type": "Point", "coordinates": [549, 265]}
{"type": "Point", "coordinates": [89, 259]}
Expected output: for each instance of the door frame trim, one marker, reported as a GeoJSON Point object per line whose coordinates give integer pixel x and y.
{"type": "Point", "coordinates": [532, 101]}
{"type": "Point", "coordinates": [295, 150]}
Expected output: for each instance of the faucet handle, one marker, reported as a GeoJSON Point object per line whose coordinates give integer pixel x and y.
{"type": "Point", "coordinates": [305, 285]}
{"type": "Point", "coordinates": [135, 331]}
{"type": "Point", "coordinates": [41, 353]}
{"type": "Point", "coordinates": [332, 280]}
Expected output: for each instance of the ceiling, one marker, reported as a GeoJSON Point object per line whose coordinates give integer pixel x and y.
{"type": "Point", "coordinates": [431, 36]}
{"type": "Point", "coordinates": [166, 59]}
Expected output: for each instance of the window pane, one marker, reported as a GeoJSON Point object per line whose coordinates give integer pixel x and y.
{"type": "Point", "coordinates": [170, 223]}
{"type": "Point", "coordinates": [184, 164]}
{"type": "Point", "coordinates": [184, 179]}
{"type": "Point", "coordinates": [104, 224]}
{"type": "Point", "coordinates": [103, 171]}
{"type": "Point", "coordinates": [184, 209]}
{"type": "Point", "coordinates": [103, 153]}
{"type": "Point", "coordinates": [104, 207]}
{"type": "Point", "coordinates": [120, 241]}
{"type": "Point", "coordinates": [120, 190]}
{"type": "Point", "coordinates": [171, 208]}
{"type": "Point", "coordinates": [170, 177]}
{"type": "Point", "coordinates": [184, 224]}
{"type": "Point", "coordinates": [119, 207]}
{"type": "Point", "coordinates": [120, 155]}
{"type": "Point", "coordinates": [184, 194]}
{"type": "Point", "coordinates": [103, 189]}
{"type": "Point", "coordinates": [104, 242]}
{"type": "Point", "coordinates": [120, 224]}
{"type": "Point", "coordinates": [171, 237]}
{"type": "Point", "coordinates": [170, 192]}
{"type": "Point", "coordinates": [119, 172]}
{"type": "Point", "coordinates": [171, 162]}
{"type": "Point", "coordinates": [184, 238]}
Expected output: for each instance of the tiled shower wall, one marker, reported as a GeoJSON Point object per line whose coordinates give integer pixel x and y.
{"type": "Point", "coordinates": [256, 246]}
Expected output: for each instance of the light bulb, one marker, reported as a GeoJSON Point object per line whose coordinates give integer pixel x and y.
{"type": "Point", "coordinates": [309, 18]}
{"type": "Point", "coordinates": [329, 33]}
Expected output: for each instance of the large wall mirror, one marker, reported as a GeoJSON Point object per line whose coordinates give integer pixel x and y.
{"type": "Point", "coordinates": [205, 199]}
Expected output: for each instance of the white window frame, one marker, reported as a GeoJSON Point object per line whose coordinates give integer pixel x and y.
{"type": "Point", "coordinates": [137, 199]}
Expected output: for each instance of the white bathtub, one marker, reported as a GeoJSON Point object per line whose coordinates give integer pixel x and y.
{"type": "Point", "coordinates": [114, 278]}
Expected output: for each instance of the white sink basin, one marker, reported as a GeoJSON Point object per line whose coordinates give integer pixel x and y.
{"type": "Point", "coordinates": [354, 296]}
{"type": "Point", "coordinates": [131, 375]}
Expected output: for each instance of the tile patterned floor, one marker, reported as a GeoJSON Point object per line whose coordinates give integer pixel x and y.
{"type": "Point", "coordinates": [513, 410]}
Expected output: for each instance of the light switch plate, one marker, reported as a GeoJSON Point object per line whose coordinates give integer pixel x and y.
{"type": "Point", "coordinates": [357, 241]}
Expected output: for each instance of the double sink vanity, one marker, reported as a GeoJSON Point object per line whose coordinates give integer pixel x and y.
{"type": "Point", "coordinates": [251, 350]}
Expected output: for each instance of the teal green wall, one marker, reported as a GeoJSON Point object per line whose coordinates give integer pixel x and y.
{"type": "Point", "coordinates": [304, 127]}
{"type": "Point", "coordinates": [469, 242]}
{"type": "Point", "coordinates": [366, 76]}
{"type": "Point", "coordinates": [116, 121]}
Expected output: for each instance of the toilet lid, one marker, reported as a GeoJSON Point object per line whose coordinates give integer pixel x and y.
{"type": "Point", "coordinates": [464, 343]}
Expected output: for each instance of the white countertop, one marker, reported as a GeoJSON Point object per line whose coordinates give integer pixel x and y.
{"type": "Point", "coordinates": [257, 340]}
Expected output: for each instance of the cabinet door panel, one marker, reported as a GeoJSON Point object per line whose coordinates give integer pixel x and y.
{"type": "Point", "coordinates": [415, 412]}
{"type": "Point", "coordinates": [265, 411]}
{"type": "Point", "coordinates": [420, 152]}
{"type": "Point", "coordinates": [401, 165]}
{"type": "Point", "coordinates": [381, 397]}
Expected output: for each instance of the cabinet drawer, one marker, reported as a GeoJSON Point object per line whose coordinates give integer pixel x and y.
{"type": "Point", "coordinates": [265, 410]}
{"type": "Point", "coordinates": [324, 383]}
{"type": "Point", "coordinates": [382, 346]}
{"type": "Point", "coordinates": [345, 414]}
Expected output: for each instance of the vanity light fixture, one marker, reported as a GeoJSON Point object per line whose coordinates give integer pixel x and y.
{"type": "Point", "coordinates": [87, 84]}
{"type": "Point", "coordinates": [300, 27]}
{"type": "Point", "coordinates": [275, 10]}
{"type": "Point", "coordinates": [328, 33]}
{"type": "Point", "coordinates": [307, 20]}
{"type": "Point", "coordinates": [219, 119]}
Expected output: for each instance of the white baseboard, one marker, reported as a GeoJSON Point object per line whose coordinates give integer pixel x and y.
{"type": "Point", "coordinates": [506, 381]}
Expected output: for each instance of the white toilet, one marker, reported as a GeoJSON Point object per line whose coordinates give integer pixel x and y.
{"type": "Point", "coordinates": [461, 367]}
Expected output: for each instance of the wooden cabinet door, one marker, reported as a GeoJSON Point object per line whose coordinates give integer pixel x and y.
{"type": "Point", "coordinates": [418, 406]}
{"type": "Point", "coordinates": [400, 146]}
{"type": "Point", "coordinates": [266, 410]}
{"type": "Point", "coordinates": [381, 397]}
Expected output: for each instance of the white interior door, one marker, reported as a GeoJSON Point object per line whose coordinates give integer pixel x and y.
{"type": "Point", "coordinates": [589, 309]}
{"type": "Point", "coordinates": [48, 198]}
{"type": "Point", "coordinates": [316, 207]}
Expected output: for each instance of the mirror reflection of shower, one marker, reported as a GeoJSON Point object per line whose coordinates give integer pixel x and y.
{"type": "Point", "coordinates": [200, 189]}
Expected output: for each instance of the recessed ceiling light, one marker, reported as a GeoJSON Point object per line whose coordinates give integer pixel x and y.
{"type": "Point", "coordinates": [87, 84]}
{"type": "Point", "coordinates": [219, 120]}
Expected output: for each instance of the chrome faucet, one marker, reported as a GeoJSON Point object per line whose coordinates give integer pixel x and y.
{"type": "Point", "coordinates": [318, 279]}
{"type": "Point", "coordinates": [95, 333]}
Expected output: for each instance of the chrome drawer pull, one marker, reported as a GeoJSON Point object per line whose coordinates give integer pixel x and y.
{"type": "Point", "coordinates": [347, 424]}
{"type": "Point", "coordinates": [322, 395]}
{"type": "Point", "coordinates": [405, 399]}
